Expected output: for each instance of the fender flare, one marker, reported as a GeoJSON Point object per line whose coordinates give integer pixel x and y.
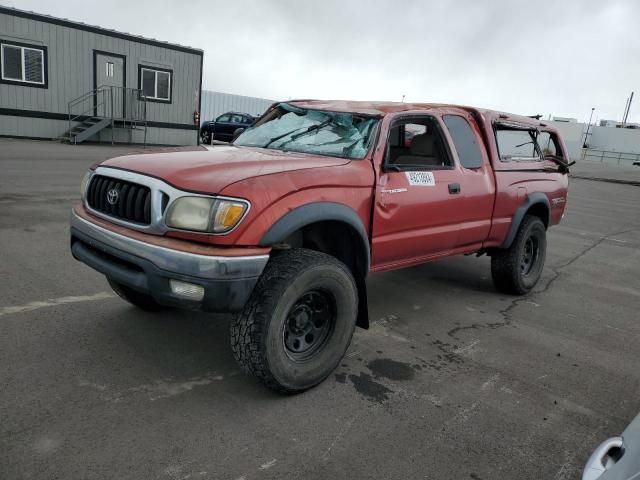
{"type": "Point", "coordinates": [317, 212]}
{"type": "Point", "coordinates": [531, 200]}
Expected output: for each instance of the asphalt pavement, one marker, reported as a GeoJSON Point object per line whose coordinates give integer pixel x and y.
{"type": "Point", "coordinates": [608, 172]}
{"type": "Point", "coordinates": [453, 380]}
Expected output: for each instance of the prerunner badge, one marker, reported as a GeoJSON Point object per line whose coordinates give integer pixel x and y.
{"type": "Point", "coordinates": [421, 178]}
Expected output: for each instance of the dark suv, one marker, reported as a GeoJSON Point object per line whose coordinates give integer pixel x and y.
{"type": "Point", "coordinates": [224, 127]}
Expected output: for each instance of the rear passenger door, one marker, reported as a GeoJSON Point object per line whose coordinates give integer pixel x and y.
{"type": "Point", "coordinates": [418, 204]}
{"type": "Point", "coordinates": [477, 183]}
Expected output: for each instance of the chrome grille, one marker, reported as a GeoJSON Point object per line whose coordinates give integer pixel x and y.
{"type": "Point", "coordinates": [120, 199]}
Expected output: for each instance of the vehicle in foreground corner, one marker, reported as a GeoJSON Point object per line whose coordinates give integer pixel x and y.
{"type": "Point", "coordinates": [617, 458]}
{"type": "Point", "coordinates": [283, 226]}
{"type": "Point", "coordinates": [225, 127]}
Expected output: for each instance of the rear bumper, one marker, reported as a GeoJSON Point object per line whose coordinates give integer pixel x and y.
{"type": "Point", "coordinates": [148, 268]}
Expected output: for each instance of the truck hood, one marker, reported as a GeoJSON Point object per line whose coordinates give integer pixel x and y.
{"type": "Point", "coordinates": [211, 170]}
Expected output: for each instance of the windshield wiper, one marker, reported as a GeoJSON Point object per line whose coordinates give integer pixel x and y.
{"type": "Point", "coordinates": [312, 128]}
{"type": "Point", "coordinates": [280, 136]}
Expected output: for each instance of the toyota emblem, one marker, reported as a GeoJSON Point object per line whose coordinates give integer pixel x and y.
{"type": "Point", "coordinates": [112, 196]}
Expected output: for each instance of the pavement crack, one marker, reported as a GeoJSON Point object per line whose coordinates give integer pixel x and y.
{"type": "Point", "coordinates": [505, 313]}
{"type": "Point", "coordinates": [557, 271]}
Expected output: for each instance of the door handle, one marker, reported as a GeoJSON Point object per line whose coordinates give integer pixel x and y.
{"type": "Point", "coordinates": [454, 188]}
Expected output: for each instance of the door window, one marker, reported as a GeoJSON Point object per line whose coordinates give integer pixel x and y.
{"type": "Point", "coordinates": [109, 69]}
{"type": "Point", "coordinates": [464, 140]}
{"type": "Point", "coordinates": [416, 143]}
{"type": "Point", "coordinates": [224, 118]}
{"type": "Point", "coordinates": [236, 118]}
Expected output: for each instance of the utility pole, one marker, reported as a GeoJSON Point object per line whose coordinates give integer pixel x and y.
{"type": "Point", "coordinates": [403, 95]}
{"type": "Point", "coordinates": [586, 135]}
{"type": "Point", "coordinates": [626, 113]}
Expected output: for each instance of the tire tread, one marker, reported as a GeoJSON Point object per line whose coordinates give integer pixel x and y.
{"type": "Point", "coordinates": [505, 263]}
{"type": "Point", "coordinates": [248, 327]}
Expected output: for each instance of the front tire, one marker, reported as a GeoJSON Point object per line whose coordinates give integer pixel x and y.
{"type": "Point", "coordinates": [140, 300]}
{"type": "Point", "coordinates": [205, 138]}
{"type": "Point", "coordinates": [298, 322]}
{"type": "Point", "coordinates": [517, 269]}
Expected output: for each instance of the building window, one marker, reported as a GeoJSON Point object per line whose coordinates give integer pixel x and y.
{"type": "Point", "coordinates": [155, 83]}
{"type": "Point", "coordinates": [109, 69]}
{"type": "Point", "coordinates": [23, 64]}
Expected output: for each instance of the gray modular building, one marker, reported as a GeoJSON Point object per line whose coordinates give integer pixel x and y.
{"type": "Point", "coordinates": [64, 79]}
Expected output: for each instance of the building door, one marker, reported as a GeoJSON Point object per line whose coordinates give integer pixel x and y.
{"type": "Point", "coordinates": [110, 72]}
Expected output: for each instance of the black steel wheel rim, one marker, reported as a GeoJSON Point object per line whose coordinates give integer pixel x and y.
{"type": "Point", "coordinates": [309, 324]}
{"type": "Point", "coordinates": [530, 255]}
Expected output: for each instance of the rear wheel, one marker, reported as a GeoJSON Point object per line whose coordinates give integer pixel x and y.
{"type": "Point", "coordinates": [138, 299]}
{"type": "Point", "coordinates": [299, 321]}
{"type": "Point", "coordinates": [516, 270]}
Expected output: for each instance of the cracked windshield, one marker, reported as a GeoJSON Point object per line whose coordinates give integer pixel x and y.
{"type": "Point", "coordinates": [295, 129]}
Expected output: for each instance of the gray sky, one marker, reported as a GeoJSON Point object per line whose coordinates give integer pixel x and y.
{"type": "Point", "coordinates": [522, 56]}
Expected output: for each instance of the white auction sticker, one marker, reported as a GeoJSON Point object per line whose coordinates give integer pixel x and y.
{"type": "Point", "coordinates": [421, 178]}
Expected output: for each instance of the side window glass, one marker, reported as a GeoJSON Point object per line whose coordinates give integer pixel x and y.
{"type": "Point", "coordinates": [416, 143]}
{"type": "Point", "coordinates": [464, 140]}
{"type": "Point", "coordinates": [517, 145]}
{"type": "Point", "coordinates": [411, 130]}
{"type": "Point", "coordinates": [223, 118]}
{"type": "Point", "coordinates": [236, 119]}
{"type": "Point", "coordinates": [547, 144]}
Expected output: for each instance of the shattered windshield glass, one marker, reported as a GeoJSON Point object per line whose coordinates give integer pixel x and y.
{"type": "Point", "coordinates": [294, 129]}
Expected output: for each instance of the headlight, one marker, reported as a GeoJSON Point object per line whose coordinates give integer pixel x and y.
{"type": "Point", "coordinates": [204, 214]}
{"type": "Point", "coordinates": [85, 183]}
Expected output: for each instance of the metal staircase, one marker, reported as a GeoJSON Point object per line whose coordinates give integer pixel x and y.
{"type": "Point", "coordinates": [107, 107]}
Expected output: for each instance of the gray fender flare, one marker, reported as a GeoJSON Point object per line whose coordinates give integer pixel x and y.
{"type": "Point", "coordinates": [326, 211]}
{"type": "Point", "coordinates": [531, 200]}
{"type": "Point", "coordinates": [317, 212]}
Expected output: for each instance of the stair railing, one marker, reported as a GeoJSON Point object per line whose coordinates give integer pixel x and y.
{"type": "Point", "coordinates": [97, 98]}
{"type": "Point", "coordinates": [102, 104]}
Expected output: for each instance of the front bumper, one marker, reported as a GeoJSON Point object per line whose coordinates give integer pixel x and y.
{"type": "Point", "coordinates": [148, 267]}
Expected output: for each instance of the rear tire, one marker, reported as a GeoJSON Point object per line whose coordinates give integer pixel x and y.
{"type": "Point", "coordinates": [517, 269]}
{"type": "Point", "coordinates": [140, 300]}
{"type": "Point", "coordinates": [298, 322]}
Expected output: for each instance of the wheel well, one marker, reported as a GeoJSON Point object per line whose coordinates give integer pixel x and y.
{"type": "Point", "coordinates": [541, 211]}
{"type": "Point", "coordinates": [343, 242]}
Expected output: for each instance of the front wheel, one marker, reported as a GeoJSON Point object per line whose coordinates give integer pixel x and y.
{"type": "Point", "coordinates": [205, 138]}
{"type": "Point", "coordinates": [298, 323]}
{"type": "Point", "coordinates": [517, 269]}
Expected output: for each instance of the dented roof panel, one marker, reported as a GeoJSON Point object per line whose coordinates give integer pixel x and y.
{"type": "Point", "coordinates": [385, 108]}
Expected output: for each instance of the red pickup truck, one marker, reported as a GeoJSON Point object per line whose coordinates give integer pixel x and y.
{"type": "Point", "coordinates": [282, 226]}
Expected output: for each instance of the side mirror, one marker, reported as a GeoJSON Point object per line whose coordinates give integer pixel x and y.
{"type": "Point", "coordinates": [237, 132]}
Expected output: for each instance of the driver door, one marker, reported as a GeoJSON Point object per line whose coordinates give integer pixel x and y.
{"type": "Point", "coordinates": [418, 197]}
